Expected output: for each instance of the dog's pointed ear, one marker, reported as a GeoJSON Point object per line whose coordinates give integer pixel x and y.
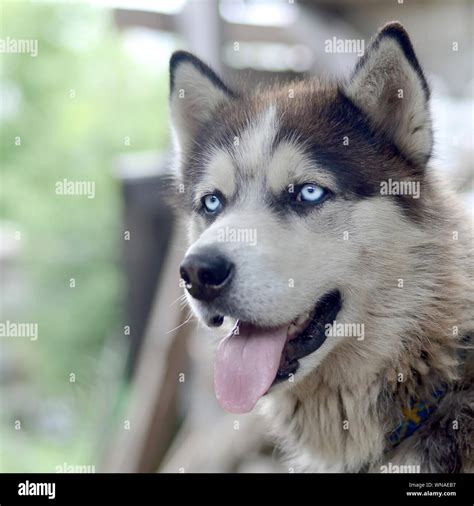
{"type": "Point", "coordinates": [195, 91]}
{"type": "Point", "coordinates": [388, 85]}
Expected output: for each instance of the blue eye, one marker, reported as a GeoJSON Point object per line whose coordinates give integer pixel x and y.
{"type": "Point", "coordinates": [211, 203]}
{"type": "Point", "coordinates": [310, 193]}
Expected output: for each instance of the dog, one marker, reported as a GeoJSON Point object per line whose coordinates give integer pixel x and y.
{"type": "Point", "coordinates": [339, 262]}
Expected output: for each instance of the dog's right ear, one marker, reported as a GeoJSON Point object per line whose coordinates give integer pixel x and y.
{"type": "Point", "coordinates": [388, 84]}
{"type": "Point", "coordinates": [195, 91]}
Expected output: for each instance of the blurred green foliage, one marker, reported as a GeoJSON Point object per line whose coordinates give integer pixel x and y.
{"type": "Point", "coordinates": [74, 107]}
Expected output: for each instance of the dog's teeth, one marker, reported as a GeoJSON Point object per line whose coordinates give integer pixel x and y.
{"type": "Point", "coordinates": [298, 324]}
{"type": "Point", "coordinates": [292, 330]}
{"type": "Point", "coordinates": [302, 319]}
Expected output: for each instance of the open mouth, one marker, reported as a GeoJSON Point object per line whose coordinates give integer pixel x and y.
{"type": "Point", "coordinates": [252, 359]}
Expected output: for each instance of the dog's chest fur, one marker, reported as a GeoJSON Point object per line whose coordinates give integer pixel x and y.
{"type": "Point", "coordinates": [335, 429]}
{"type": "Point", "coordinates": [324, 425]}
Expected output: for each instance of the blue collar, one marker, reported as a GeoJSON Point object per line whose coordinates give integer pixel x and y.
{"type": "Point", "coordinates": [418, 411]}
{"type": "Point", "coordinates": [414, 415]}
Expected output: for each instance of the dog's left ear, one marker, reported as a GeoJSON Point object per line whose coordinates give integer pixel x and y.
{"type": "Point", "coordinates": [389, 86]}
{"type": "Point", "coordinates": [195, 92]}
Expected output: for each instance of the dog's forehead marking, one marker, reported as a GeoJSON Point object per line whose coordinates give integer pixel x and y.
{"type": "Point", "coordinates": [253, 148]}
{"type": "Point", "coordinates": [220, 174]}
{"type": "Point", "coordinates": [249, 156]}
{"type": "Point", "coordinates": [254, 156]}
{"type": "Point", "coordinates": [290, 165]}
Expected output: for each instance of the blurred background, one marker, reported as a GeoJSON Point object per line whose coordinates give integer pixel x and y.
{"type": "Point", "coordinates": [118, 377]}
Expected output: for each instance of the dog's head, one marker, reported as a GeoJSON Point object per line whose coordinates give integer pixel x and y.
{"type": "Point", "coordinates": [289, 221]}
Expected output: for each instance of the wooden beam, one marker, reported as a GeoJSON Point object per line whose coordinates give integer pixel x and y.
{"type": "Point", "coordinates": [142, 436]}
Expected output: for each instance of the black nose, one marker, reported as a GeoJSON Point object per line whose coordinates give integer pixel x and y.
{"type": "Point", "coordinates": [206, 274]}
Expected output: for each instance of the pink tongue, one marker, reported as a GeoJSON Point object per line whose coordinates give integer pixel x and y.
{"type": "Point", "coordinates": [246, 366]}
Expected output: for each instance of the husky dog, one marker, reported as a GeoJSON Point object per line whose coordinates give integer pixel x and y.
{"type": "Point", "coordinates": [318, 230]}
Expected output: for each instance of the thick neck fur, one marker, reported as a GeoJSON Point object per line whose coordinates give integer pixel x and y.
{"type": "Point", "coordinates": [337, 418]}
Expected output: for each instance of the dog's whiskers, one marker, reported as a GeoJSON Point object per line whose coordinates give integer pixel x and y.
{"type": "Point", "coordinates": [188, 319]}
